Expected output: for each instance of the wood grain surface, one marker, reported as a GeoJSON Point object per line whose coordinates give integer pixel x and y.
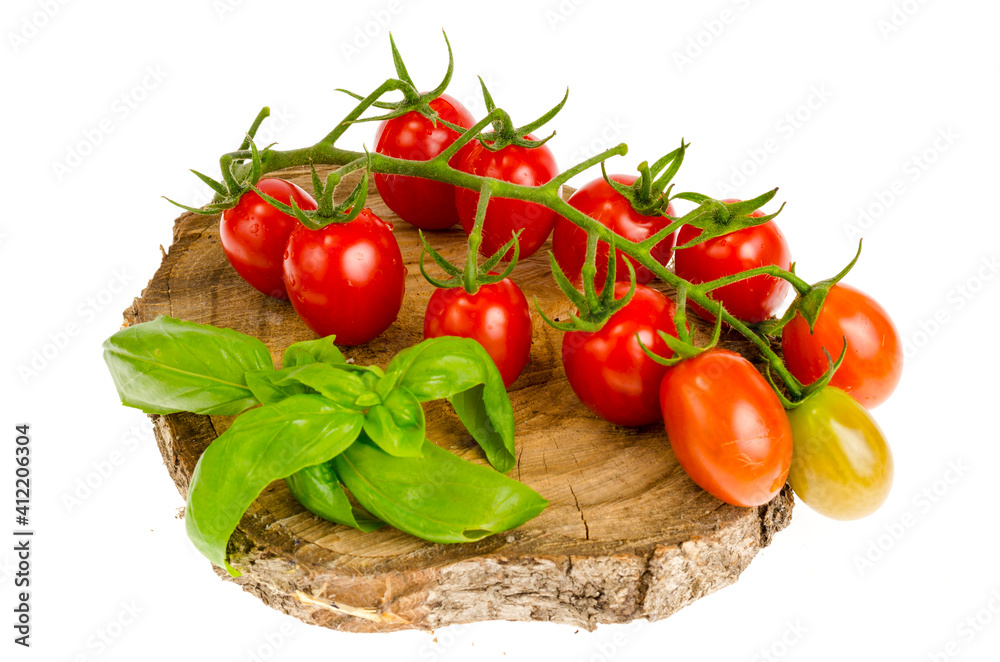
{"type": "Point", "coordinates": [627, 534]}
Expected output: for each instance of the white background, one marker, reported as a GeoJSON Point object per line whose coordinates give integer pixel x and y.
{"type": "Point", "coordinates": [833, 102]}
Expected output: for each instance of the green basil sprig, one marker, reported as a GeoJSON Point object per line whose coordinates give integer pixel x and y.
{"type": "Point", "coordinates": [324, 425]}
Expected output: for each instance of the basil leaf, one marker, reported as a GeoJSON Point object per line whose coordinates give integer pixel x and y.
{"type": "Point", "coordinates": [319, 491]}
{"type": "Point", "coordinates": [261, 446]}
{"type": "Point", "coordinates": [342, 386]}
{"type": "Point", "coordinates": [169, 365]}
{"type": "Point", "coordinates": [397, 425]}
{"type": "Point", "coordinates": [438, 497]}
{"type": "Point", "coordinates": [321, 350]}
{"type": "Point", "coordinates": [267, 386]}
{"type": "Point", "coordinates": [460, 369]}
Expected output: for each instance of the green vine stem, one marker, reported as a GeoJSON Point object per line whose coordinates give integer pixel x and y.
{"type": "Point", "coordinates": [325, 152]}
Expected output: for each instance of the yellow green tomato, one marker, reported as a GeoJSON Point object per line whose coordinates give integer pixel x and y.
{"type": "Point", "coordinates": [841, 463]}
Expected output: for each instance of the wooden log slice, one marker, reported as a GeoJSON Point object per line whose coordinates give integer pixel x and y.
{"type": "Point", "coordinates": [627, 535]}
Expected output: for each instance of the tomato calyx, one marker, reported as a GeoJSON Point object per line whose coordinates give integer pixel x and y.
{"type": "Point", "coordinates": [504, 132]}
{"type": "Point", "coordinates": [594, 308]}
{"type": "Point", "coordinates": [682, 345]}
{"type": "Point", "coordinates": [327, 212]}
{"type": "Point", "coordinates": [716, 218]}
{"type": "Point", "coordinates": [473, 275]}
{"type": "Point", "coordinates": [235, 180]}
{"type": "Point", "coordinates": [650, 193]}
{"type": "Point", "coordinates": [809, 301]}
{"type": "Point", "coordinates": [412, 99]}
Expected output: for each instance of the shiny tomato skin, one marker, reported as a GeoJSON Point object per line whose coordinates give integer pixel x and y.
{"type": "Point", "coordinates": [427, 204]}
{"type": "Point", "coordinates": [874, 361]}
{"type": "Point", "coordinates": [727, 428]}
{"type": "Point", "coordinates": [842, 466]}
{"type": "Point", "coordinates": [346, 279]}
{"type": "Point", "coordinates": [496, 317]}
{"type": "Point", "coordinates": [601, 202]}
{"type": "Point", "coordinates": [253, 234]}
{"type": "Point", "coordinates": [518, 165]}
{"type": "Point", "coordinates": [752, 300]}
{"type": "Point", "coordinates": [608, 370]}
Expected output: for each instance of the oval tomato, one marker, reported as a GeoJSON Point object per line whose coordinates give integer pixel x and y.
{"type": "Point", "coordinates": [346, 279]}
{"type": "Point", "coordinates": [842, 466]}
{"type": "Point", "coordinates": [601, 202]}
{"type": "Point", "coordinates": [253, 234]}
{"type": "Point", "coordinates": [727, 427]}
{"type": "Point", "coordinates": [427, 204]}
{"type": "Point", "coordinates": [608, 370]}
{"type": "Point", "coordinates": [504, 217]}
{"type": "Point", "coordinates": [752, 300]}
{"type": "Point", "coordinates": [874, 360]}
{"type": "Point", "coordinates": [496, 317]}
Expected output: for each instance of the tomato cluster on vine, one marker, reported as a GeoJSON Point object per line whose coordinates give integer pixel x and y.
{"type": "Point", "coordinates": [740, 429]}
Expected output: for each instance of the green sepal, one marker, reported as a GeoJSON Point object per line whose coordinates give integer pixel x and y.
{"type": "Point", "coordinates": [715, 218]}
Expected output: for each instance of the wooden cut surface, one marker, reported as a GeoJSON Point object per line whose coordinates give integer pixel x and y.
{"type": "Point", "coordinates": [627, 535]}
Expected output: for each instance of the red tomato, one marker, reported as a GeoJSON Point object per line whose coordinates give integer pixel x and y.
{"type": "Point", "coordinates": [496, 317]}
{"type": "Point", "coordinates": [752, 300]}
{"type": "Point", "coordinates": [253, 234]}
{"type": "Point", "coordinates": [727, 427]}
{"type": "Point", "coordinates": [346, 279]}
{"type": "Point", "coordinates": [874, 360]}
{"type": "Point", "coordinates": [608, 370]}
{"type": "Point", "coordinates": [519, 165]}
{"type": "Point", "coordinates": [602, 203]}
{"type": "Point", "coordinates": [427, 204]}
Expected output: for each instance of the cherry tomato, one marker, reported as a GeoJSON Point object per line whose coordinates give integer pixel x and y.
{"type": "Point", "coordinates": [608, 370]}
{"type": "Point", "coordinates": [427, 204]}
{"type": "Point", "coordinates": [601, 202]}
{"type": "Point", "coordinates": [496, 317]}
{"type": "Point", "coordinates": [752, 300]}
{"type": "Point", "coordinates": [346, 279]}
{"type": "Point", "coordinates": [842, 466]}
{"type": "Point", "coordinates": [253, 235]}
{"type": "Point", "coordinates": [874, 360]}
{"type": "Point", "coordinates": [727, 427]}
{"type": "Point", "coordinates": [519, 165]}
